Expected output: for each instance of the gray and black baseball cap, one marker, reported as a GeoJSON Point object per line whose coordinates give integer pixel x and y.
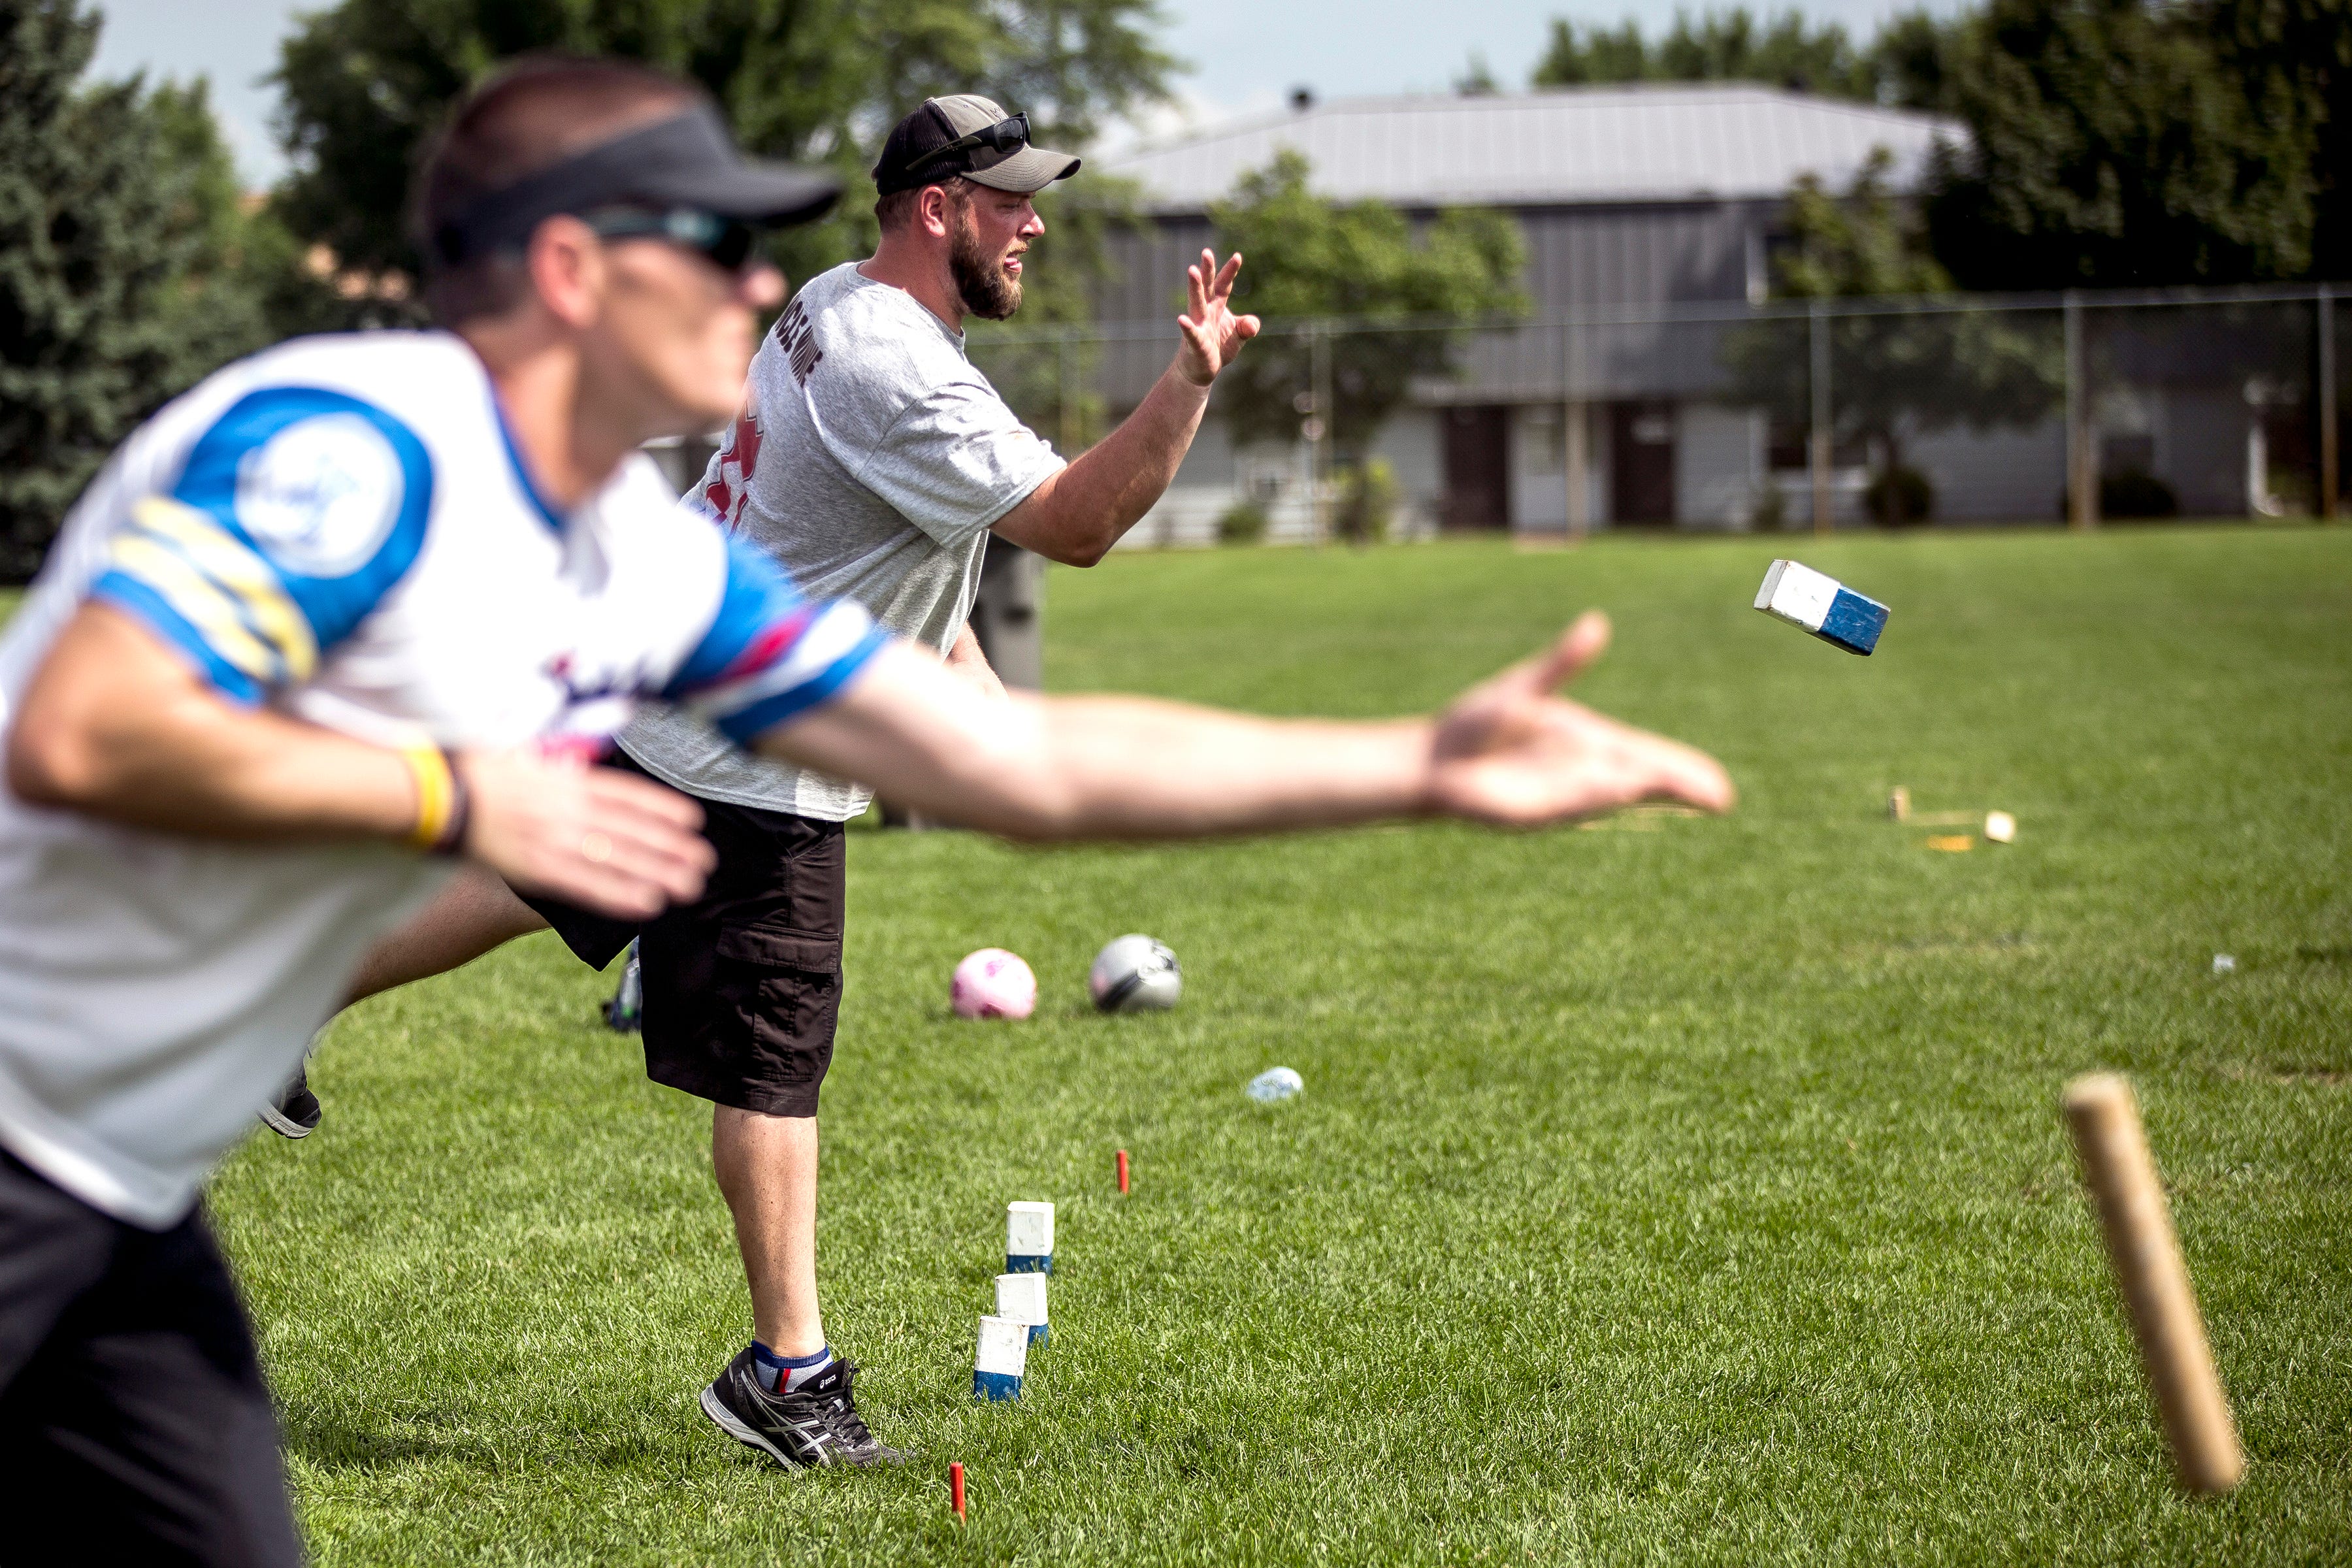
{"type": "Point", "coordinates": [969, 135]}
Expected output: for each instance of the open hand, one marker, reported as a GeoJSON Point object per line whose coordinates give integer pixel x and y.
{"type": "Point", "coordinates": [618, 844]}
{"type": "Point", "coordinates": [1212, 334]}
{"type": "Point", "coordinates": [1509, 752]}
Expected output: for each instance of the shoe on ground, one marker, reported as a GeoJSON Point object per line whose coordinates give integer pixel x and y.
{"type": "Point", "coordinates": [296, 1113]}
{"type": "Point", "coordinates": [816, 1424]}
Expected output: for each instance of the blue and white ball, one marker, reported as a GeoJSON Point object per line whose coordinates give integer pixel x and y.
{"type": "Point", "coordinates": [1136, 975]}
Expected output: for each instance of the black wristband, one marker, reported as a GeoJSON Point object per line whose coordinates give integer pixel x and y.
{"type": "Point", "coordinates": [461, 809]}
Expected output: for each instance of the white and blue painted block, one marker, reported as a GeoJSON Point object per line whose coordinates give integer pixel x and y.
{"type": "Point", "coordinates": [1823, 605]}
{"type": "Point", "coordinates": [1029, 1239]}
{"type": "Point", "coordinates": [1022, 1298]}
{"type": "Point", "coordinates": [1002, 1358]}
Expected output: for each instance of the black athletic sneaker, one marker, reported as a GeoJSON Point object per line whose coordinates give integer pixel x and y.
{"type": "Point", "coordinates": [625, 1013]}
{"type": "Point", "coordinates": [297, 1112]}
{"type": "Point", "coordinates": [816, 1424]}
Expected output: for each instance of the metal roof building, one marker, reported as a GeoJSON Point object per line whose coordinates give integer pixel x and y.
{"type": "Point", "coordinates": [1625, 195]}
{"type": "Point", "coordinates": [1634, 203]}
{"type": "Point", "coordinates": [1684, 142]}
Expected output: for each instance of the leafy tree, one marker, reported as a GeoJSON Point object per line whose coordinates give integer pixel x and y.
{"type": "Point", "coordinates": [119, 278]}
{"type": "Point", "coordinates": [1867, 242]}
{"type": "Point", "coordinates": [1588, 54]}
{"type": "Point", "coordinates": [1721, 45]}
{"type": "Point", "coordinates": [1896, 375]}
{"type": "Point", "coordinates": [1308, 257]}
{"type": "Point", "coordinates": [2291, 60]}
{"type": "Point", "coordinates": [1911, 61]}
{"type": "Point", "coordinates": [242, 273]}
{"type": "Point", "coordinates": [2110, 146]}
{"type": "Point", "coordinates": [820, 80]}
{"type": "Point", "coordinates": [1476, 79]}
{"type": "Point", "coordinates": [1904, 66]}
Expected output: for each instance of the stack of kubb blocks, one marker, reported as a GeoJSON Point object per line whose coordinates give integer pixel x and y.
{"type": "Point", "coordinates": [1020, 1318]}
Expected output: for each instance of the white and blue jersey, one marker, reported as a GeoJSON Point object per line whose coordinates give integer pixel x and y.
{"type": "Point", "coordinates": [340, 530]}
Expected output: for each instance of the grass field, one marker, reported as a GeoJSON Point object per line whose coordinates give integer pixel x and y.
{"type": "Point", "coordinates": [1680, 1190]}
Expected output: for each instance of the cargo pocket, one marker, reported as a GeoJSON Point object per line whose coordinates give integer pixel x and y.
{"type": "Point", "coordinates": [785, 986]}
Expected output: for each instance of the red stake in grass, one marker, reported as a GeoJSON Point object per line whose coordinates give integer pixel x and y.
{"type": "Point", "coordinates": [955, 1488]}
{"type": "Point", "coordinates": [1122, 1170]}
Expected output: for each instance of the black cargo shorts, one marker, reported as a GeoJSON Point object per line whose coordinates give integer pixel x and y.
{"type": "Point", "coordinates": [742, 988]}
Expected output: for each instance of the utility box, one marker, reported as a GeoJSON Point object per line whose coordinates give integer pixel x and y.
{"type": "Point", "coordinates": [1009, 616]}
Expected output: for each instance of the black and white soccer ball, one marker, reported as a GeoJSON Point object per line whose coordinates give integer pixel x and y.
{"type": "Point", "coordinates": [1136, 975]}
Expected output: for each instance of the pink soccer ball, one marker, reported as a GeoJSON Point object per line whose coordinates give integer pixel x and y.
{"type": "Point", "coordinates": [994, 984]}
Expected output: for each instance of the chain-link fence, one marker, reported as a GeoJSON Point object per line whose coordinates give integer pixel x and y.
{"type": "Point", "coordinates": [1776, 415]}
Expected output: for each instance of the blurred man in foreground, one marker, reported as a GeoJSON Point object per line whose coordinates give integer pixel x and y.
{"type": "Point", "coordinates": [349, 611]}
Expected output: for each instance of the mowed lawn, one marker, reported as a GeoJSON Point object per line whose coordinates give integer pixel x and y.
{"type": "Point", "coordinates": [1677, 1191]}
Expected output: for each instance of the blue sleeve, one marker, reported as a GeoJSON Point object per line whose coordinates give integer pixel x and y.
{"type": "Point", "coordinates": [770, 655]}
{"type": "Point", "coordinates": [294, 515]}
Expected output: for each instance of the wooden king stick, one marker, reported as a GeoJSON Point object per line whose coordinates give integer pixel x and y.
{"type": "Point", "coordinates": [2117, 1166]}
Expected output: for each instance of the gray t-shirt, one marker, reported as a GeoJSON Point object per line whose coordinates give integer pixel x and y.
{"type": "Point", "coordinates": [870, 460]}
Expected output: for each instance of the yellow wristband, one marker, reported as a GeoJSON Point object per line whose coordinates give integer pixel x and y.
{"type": "Point", "coordinates": [436, 795]}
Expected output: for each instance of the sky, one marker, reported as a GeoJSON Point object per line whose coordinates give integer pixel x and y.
{"type": "Point", "coordinates": [1246, 56]}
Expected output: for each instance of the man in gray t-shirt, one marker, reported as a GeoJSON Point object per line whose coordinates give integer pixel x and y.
{"type": "Point", "coordinates": [873, 462]}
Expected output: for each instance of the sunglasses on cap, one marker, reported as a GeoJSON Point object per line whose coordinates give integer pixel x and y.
{"type": "Point", "coordinates": [1009, 135]}
{"type": "Point", "coordinates": [729, 244]}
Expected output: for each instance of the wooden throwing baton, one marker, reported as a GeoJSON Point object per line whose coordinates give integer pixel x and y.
{"type": "Point", "coordinates": [2117, 1166]}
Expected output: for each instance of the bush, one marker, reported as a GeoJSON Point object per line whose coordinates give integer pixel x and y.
{"type": "Point", "coordinates": [1899, 496]}
{"type": "Point", "coordinates": [1368, 502]}
{"type": "Point", "coordinates": [1245, 522]}
{"type": "Point", "coordinates": [1768, 513]}
{"type": "Point", "coordinates": [2133, 493]}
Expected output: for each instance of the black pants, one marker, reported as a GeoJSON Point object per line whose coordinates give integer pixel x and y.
{"type": "Point", "coordinates": [134, 1425]}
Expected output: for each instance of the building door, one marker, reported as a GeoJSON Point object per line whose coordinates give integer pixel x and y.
{"type": "Point", "coordinates": [1642, 462]}
{"type": "Point", "coordinates": [1478, 468]}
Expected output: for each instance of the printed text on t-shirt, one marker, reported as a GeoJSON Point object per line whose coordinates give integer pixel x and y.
{"type": "Point", "coordinates": [799, 344]}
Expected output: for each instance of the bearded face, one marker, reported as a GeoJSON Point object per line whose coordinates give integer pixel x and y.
{"type": "Point", "coordinates": [988, 290]}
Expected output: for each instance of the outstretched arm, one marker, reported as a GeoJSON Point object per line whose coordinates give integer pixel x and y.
{"type": "Point", "coordinates": [1507, 751]}
{"type": "Point", "coordinates": [1076, 515]}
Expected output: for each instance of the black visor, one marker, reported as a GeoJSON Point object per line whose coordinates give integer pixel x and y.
{"type": "Point", "coordinates": [685, 162]}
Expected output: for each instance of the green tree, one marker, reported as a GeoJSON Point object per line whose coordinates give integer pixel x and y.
{"type": "Point", "coordinates": [119, 282]}
{"type": "Point", "coordinates": [1904, 66]}
{"type": "Point", "coordinates": [1586, 54]}
{"type": "Point", "coordinates": [820, 80]}
{"type": "Point", "coordinates": [1721, 45]}
{"type": "Point", "coordinates": [241, 270]}
{"type": "Point", "coordinates": [2109, 145]}
{"type": "Point", "coordinates": [1911, 61]}
{"type": "Point", "coordinates": [1306, 256]}
{"type": "Point", "coordinates": [2291, 60]}
{"type": "Point", "coordinates": [1905, 372]}
{"type": "Point", "coordinates": [1476, 79]}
